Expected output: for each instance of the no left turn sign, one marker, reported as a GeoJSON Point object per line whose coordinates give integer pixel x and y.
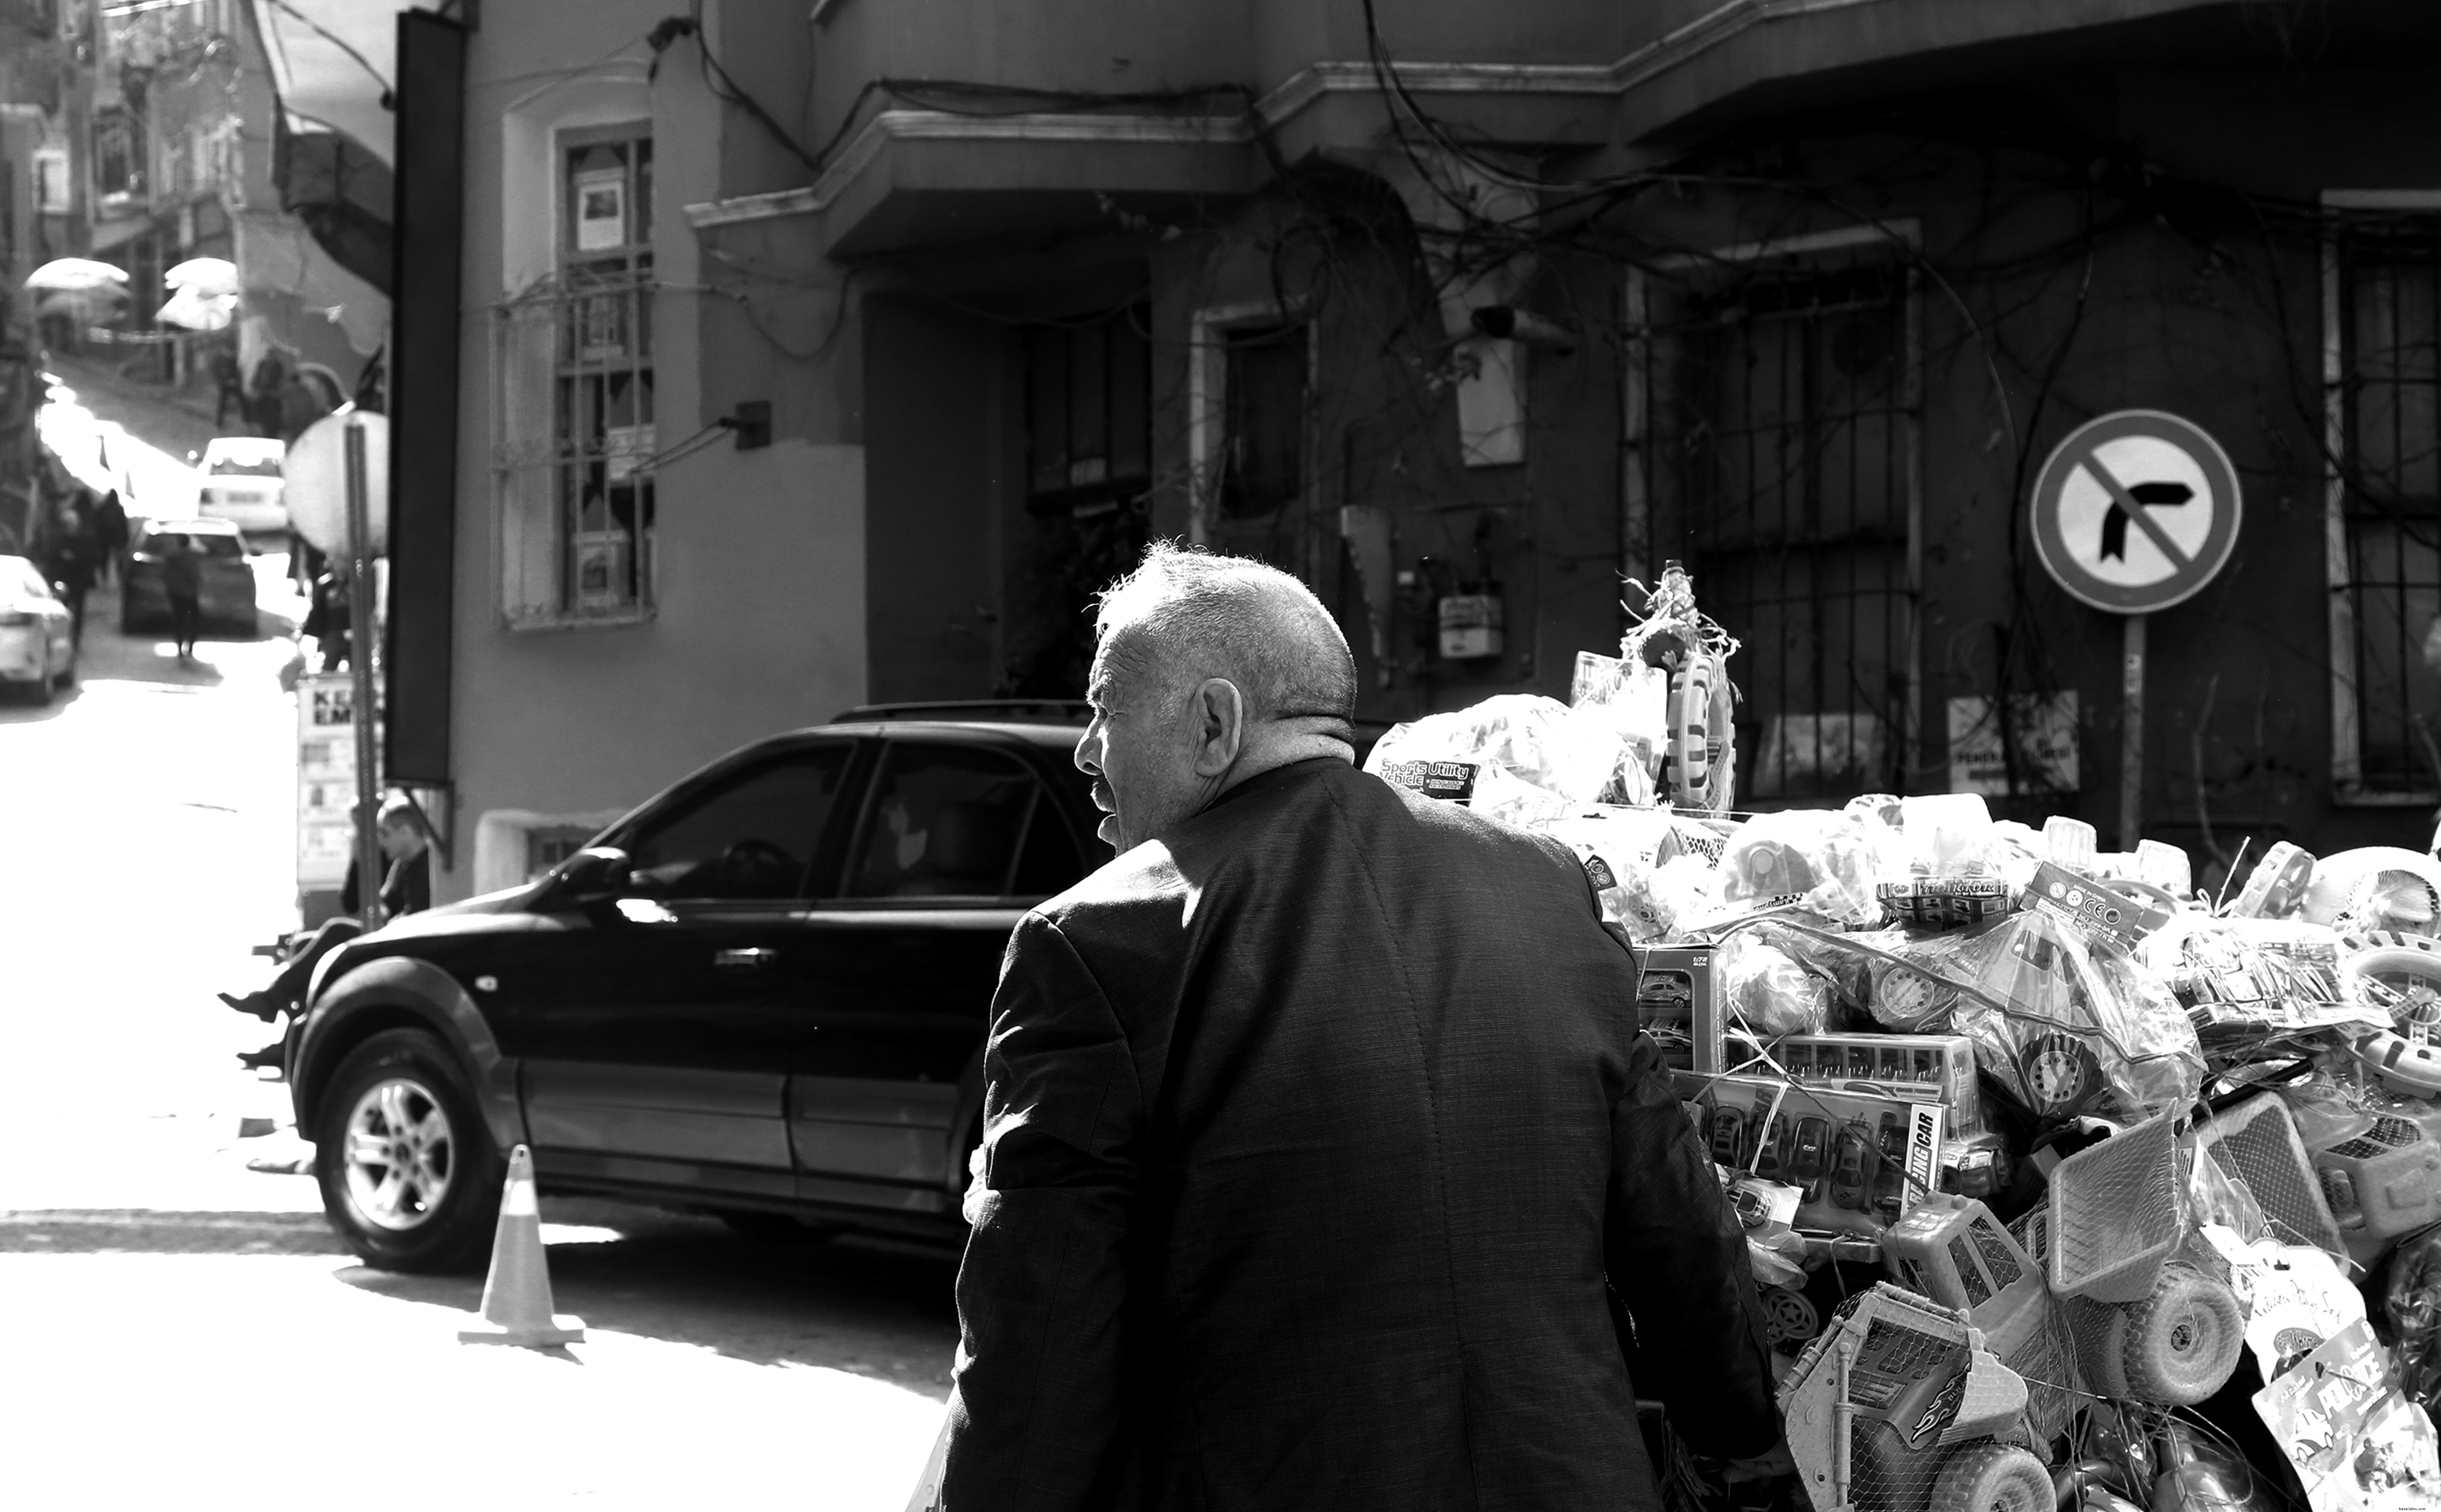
{"type": "Point", "coordinates": [2135, 511]}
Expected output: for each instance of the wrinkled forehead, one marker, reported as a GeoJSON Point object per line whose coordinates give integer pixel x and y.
{"type": "Point", "coordinates": [1125, 660]}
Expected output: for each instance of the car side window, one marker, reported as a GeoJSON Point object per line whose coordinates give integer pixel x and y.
{"type": "Point", "coordinates": [945, 822]}
{"type": "Point", "coordinates": [754, 837]}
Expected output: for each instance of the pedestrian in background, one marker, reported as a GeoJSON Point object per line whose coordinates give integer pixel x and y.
{"type": "Point", "coordinates": [327, 621]}
{"type": "Point", "coordinates": [75, 563]}
{"type": "Point", "coordinates": [109, 537]}
{"type": "Point", "coordinates": [1323, 1163]}
{"type": "Point", "coordinates": [229, 384]}
{"type": "Point", "coordinates": [182, 582]}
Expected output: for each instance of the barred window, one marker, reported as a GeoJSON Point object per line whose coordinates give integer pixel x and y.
{"type": "Point", "coordinates": [2384, 298]}
{"type": "Point", "coordinates": [1785, 416]}
{"type": "Point", "coordinates": [574, 376]}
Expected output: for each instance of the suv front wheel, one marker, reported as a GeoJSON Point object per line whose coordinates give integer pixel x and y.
{"type": "Point", "coordinates": [410, 1177]}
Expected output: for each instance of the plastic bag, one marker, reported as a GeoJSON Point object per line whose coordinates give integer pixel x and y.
{"type": "Point", "coordinates": [1620, 847]}
{"type": "Point", "coordinates": [1823, 861]}
{"type": "Point", "coordinates": [1915, 994]}
{"type": "Point", "coordinates": [2069, 1026]}
{"type": "Point", "coordinates": [1947, 834]}
{"type": "Point", "coordinates": [1567, 757]}
{"type": "Point", "coordinates": [1678, 893]}
{"type": "Point", "coordinates": [2413, 1301]}
{"type": "Point", "coordinates": [1773, 994]}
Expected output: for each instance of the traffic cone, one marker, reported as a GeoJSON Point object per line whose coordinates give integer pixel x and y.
{"type": "Point", "coordinates": [516, 1295]}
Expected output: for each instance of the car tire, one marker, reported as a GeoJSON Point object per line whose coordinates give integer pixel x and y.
{"type": "Point", "coordinates": [424, 1196]}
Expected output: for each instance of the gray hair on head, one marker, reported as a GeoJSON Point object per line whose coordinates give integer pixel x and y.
{"type": "Point", "coordinates": [1191, 613]}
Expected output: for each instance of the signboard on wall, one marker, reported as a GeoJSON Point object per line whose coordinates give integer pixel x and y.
{"type": "Point", "coordinates": [326, 779]}
{"type": "Point", "coordinates": [2045, 729]}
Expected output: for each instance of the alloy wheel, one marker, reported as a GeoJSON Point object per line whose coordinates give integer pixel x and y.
{"type": "Point", "coordinates": [400, 1154]}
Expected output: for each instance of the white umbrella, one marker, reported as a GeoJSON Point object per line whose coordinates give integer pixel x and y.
{"type": "Point", "coordinates": [75, 276]}
{"type": "Point", "coordinates": [205, 275]}
{"type": "Point", "coordinates": [197, 311]}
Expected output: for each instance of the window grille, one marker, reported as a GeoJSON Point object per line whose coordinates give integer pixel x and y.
{"type": "Point", "coordinates": [576, 425]}
{"type": "Point", "coordinates": [2386, 295]}
{"type": "Point", "coordinates": [1789, 400]}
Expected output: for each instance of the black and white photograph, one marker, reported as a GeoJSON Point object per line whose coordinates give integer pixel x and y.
{"type": "Point", "coordinates": [1220, 755]}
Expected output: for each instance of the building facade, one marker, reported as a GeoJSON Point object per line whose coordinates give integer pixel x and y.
{"type": "Point", "coordinates": [1455, 313]}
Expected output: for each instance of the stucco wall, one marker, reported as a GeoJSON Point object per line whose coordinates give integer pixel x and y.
{"type": "Point", "coordinates": [758, 623]}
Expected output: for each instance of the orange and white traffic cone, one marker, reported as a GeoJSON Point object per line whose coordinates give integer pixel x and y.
{"type": "Point", "coordinates": [516, 1295]}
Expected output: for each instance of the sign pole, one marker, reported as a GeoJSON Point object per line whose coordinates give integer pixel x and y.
{"type": "Point", "coordinates": [360, 669]}
{"type": "Point", "coordinates": [2131, 732]}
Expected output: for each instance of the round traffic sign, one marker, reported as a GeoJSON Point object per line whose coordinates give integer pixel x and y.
{"type": "Point", "coordinates": [2136, 511]}
{"type": "Point", "coordinates": [316, 471]}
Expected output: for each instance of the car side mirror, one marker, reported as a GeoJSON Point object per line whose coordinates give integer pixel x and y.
{"type": "Point", "coordinates": [596, 872]}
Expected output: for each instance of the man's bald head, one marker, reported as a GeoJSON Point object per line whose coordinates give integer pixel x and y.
{"type": "Point", "coordinates": [1208, 670]}
{"type": "Point", "coordinates": [1187, 615]}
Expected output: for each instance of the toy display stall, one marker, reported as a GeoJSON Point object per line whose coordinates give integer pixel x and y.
{"type": "Point", "coordinates": [2066, 1185]}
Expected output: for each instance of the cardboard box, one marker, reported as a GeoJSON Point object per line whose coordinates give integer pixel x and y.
{"type": "Point", "coordinates": [1911, 1067]}
{"type": "Point", "coordinates": [1859, 1158]}
{"type": "Point", "coordinates": [1945, 902]}
{"type": "Point", "coordinates": [1678, 1003]}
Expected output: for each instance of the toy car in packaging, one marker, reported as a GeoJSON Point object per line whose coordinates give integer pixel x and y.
{"type": "Point", "coordinates": [1857, 1158]}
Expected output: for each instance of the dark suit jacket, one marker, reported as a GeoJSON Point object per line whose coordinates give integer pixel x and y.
{"type": "Point", "coordinates": [1314, 1132]}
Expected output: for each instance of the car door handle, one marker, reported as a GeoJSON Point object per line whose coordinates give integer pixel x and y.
{"type": "Point", "coordinates": [745, 958]}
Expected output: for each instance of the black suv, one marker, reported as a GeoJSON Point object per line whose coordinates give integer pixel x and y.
{"type": "Point", "coordinates": [764, 994]}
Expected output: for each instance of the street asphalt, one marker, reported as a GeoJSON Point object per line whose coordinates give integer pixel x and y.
{"type": "Point", "coordinates": [182, 1331]}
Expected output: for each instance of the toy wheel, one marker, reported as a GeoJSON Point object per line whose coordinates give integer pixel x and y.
{"type": "Point", "coordinates": [1788, 1317]}
{"type": "Point", "coordinates": [1904, 996]}
{"type": "Point", "coordinates": [2178, 1345]}
{"type": "Point", "coordinates": [2060, 1074]}
{"type": "Point", "coordinates": [1992, 1478]}
{"type": "Point", "coordinates": [2397, 973]}
{"type": "Point", "coordinates": [1690, 717]}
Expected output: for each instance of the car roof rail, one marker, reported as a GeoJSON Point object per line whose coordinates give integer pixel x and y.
{"type": "Point", "coordinates": [1002, 710]}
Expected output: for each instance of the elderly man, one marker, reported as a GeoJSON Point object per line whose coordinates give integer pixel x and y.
{"type": "Point", "coordinates": [1323, 1165]}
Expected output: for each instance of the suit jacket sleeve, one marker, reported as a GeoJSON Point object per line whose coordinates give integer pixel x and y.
{"type": "Point", "coordinates": [1034, 1412]}
{"type": "Point", "coordinates": [1678, 1258]}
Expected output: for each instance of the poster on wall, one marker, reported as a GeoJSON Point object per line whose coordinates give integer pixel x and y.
{"type": "Point", "coordinates": [2045, 728]}
{"type": "Point", "coordinates": [601, 568]}
{"type": "Point", "coordinates": [326, 779]}
{"type": "Point", "coordinates": [601, 196]}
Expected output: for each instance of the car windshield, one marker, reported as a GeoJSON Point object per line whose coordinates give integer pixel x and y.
{"type": "Point", "coordinates": [210, 543]}
{"type": "Point", "coordinates": [246, 466]}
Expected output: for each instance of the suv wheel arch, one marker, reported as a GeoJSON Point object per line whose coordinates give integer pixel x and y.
{"type": "Point", "coordinates": [395, 992]}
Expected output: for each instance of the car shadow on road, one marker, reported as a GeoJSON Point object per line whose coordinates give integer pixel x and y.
{"type": "Point", "coordinates": [872, 1308]}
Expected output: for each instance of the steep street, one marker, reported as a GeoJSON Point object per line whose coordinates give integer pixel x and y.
{"type": "Point", "coordinates": [152, 1285]}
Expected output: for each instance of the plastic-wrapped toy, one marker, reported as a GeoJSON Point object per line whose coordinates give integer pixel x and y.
{"type": "Point", "coordinates": [2070, 1026]}
{"type": "Point", "coordinates": [1770, 992]}
{"type": "Point", "coordinates": [1518, 757]}
{"type": "Point", "coordinates": [1821, 861]}
{"type": "Point", "coordinates": [2413, 1304]}
{"type": "Point", "coordinates": [1699, 770]}
{"type": "Point", "coordinates": [1899, 1407]}
{"type": "Point", "coordinates": [2377, 886]}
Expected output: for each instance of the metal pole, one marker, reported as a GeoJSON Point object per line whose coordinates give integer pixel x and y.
{"type": "Point", "coordinates": [360, 672]}
{"type": "Point", "coordinates": [2131, 733]}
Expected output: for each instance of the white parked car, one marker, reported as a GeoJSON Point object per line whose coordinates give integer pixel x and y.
{"type": "Point", "coordinates": [37, 633]}
{"type": "Point", "coordinates": [238, 481]}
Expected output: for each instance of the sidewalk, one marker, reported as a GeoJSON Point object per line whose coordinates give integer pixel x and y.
{"type": "Point", "coordinates": [166, 423]}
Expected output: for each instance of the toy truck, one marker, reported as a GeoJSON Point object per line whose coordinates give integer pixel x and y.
{"type": "Point", "coordinates": [1900, 1407]}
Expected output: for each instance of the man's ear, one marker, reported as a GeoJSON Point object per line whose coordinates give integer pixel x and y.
{"type": "Point", "coordinates": [1219, 713]}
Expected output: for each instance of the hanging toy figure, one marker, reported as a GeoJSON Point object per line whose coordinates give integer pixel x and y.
{"type": "Point", "coordinates": [1699, 768]}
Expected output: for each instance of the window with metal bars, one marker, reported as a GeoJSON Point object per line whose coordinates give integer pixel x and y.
{"type": "Point", "coordinates": [577, 431]}
{"type": "Point", "coordinates": [2386, 293]}
{"type": "Point", "coordinates": [1089, 411]}
{"type": "Point", "coordinates": [1791, 446]}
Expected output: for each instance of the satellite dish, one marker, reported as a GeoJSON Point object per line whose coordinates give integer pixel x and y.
{"type": "Point", "coordinates": [316, 471]}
